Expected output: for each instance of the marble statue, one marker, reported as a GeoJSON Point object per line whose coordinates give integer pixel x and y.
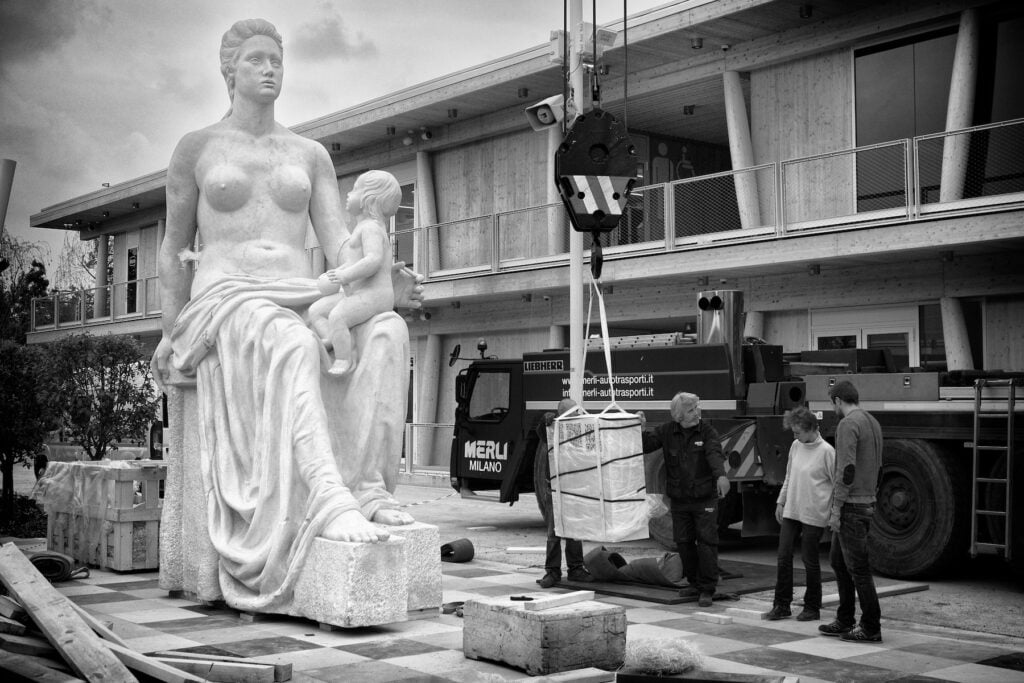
{"type": "Point", "coordinates": [361, 286]}
{"type": "Point", "coordinates": [288, 451]}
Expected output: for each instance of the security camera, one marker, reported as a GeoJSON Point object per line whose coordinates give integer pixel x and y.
{"type": "Point", "coordinates": [546, 113]}
{"type": "Point", "coordinates": [725, 48]}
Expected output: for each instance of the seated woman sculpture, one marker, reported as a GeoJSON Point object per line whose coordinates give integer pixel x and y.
{"type": "Point", "coordinates": [288, 451]}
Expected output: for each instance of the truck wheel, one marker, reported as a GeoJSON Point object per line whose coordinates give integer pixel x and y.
{"type": "Point", "coordinates": [921, 521]}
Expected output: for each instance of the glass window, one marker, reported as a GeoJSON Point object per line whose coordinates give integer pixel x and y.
{"type": "Point", "coordinates": [490, 399]}
{"type": "Point", "coordinates": [402, 227]}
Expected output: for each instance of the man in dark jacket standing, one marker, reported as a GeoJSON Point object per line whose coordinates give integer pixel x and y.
{"type": "Point", "coordinates": [695, 469]}
{"type": "Point", "coordinates": [858, 459]}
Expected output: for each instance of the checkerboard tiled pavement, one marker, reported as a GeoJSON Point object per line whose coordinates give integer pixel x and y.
{"type": "Point", "coordinates": [430, 649]}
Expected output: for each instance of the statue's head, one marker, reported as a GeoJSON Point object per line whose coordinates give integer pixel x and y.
{"type": "Point", "coordinates": [240, 32]}
{"type": "Point", "coordinates": [380, 194]}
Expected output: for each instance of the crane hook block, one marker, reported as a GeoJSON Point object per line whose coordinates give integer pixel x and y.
{"type": "Point", "coordinates": [595, 170]}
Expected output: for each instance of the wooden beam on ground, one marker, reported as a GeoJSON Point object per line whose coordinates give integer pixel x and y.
{"type": "Point", "coordinates": [282, 670]}
{"type": "Point", "coordinates": [57, 619]}
{"type": "Point", "coordinates": [11, 626]}
{"type": "Point", "coordinates": [30, 669]}
{"type": "Point", "coordinates": [226, 672]}
{"type": "Point", "coordinates": [28, 645]}
{"type": "Point", "coordinates": [97, 626]}
{"type": "Point", "coordinates": [151, 667]}
{"type": "Point", "coordinates": [558, 600]}
{"type": "Point", "coordinates": [11, 609]}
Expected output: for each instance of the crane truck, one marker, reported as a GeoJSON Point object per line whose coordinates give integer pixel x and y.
{"type": "Point", "coordinates": [953, 441]}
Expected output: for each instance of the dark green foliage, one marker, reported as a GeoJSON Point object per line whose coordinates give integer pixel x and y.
{"type": "Point", "coordinates": [22, 276]}
{"type": "Point", "coordinates": [27, 407]}
{"type": "Point", "coordinates": [106, 391]}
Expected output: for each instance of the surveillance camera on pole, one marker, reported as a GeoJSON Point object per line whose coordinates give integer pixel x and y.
{"type": "Point", "coordinates": [546, 113]}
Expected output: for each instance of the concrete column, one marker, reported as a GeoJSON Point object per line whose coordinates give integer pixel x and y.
{"type": "Point", "coordinates": [556, 337]}
{"type": "Point", "coordinates": [558, 222]}
{"type": "Point", "coordinates": [753, 326]}
{"type": "Point", "coordinates": [741, 150]}
{"type": "Point", "coordinates": [7, 167]}
{"type": "Point", "coordinates": [102, 254]}
{"type": "Point", "coordinates": [426, 214]}
{"type": "Point", "coordinates": [954, 335]}
{"type": "Point", "coordinates": [428, 375]}
{"type": "Point", "coordinates": [960, 109]}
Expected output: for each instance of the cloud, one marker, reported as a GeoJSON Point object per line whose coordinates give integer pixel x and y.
{"type": "Point", "coordinates": [329, 37]}
{"type": "Point", "coordinates": [30, 28]}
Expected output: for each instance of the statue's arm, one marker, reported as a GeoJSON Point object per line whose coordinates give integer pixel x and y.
{"type": "Point", "coordinates": [179, 234]}
{"type": "Point", "coordinates": [325, 206]}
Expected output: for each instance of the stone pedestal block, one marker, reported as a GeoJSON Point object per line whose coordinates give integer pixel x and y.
{"type": "Point", "coordinates": [353, 584]}
{"type": "Point", "coordinates": [575, 636]}
{"type": "Point", "coordinates": [423, 560]}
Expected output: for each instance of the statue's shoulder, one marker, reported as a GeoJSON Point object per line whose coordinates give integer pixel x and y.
{"type": "Point", "coordinates": [192, 144]}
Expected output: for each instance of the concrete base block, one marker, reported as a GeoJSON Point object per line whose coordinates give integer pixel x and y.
{"type": "Point", "coordinates": [574, 636]}
{"type": "Point", "coordinates": [423, 559]}
{"type": "Point", "coordinates": [353, 584]}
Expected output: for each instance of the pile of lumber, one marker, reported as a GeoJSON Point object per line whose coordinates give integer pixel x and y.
{"type": "Point", "coordinates": [46, 637]}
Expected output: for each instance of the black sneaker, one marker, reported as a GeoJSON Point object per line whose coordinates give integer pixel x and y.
{"type": "Point", "coordinates": [706, 599]}
{"type": "Point", "coordinates": [777, 612]}
{"type": "Point", "coordinates": [549, 580]}
{"type": "Point", "coordinates": [808, 614]}
{"type": "Point", "coordinates": [859, 635]}
{"type": "Point", "coordinates": [580, 574]}
{"type": "Point", "coordinates": [836, 628]}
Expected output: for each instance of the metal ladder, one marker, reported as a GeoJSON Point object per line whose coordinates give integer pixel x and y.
{"type": "Point", "coordinates": [981, 412]}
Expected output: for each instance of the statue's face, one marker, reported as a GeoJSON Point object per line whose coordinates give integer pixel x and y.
{"type": "Point", "coordinates": [354, 201]}
{"type": "Point", "coordinates": [259, 69]}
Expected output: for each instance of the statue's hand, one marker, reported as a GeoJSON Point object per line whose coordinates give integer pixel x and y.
{"type": "Point", "coordinates": [160, 364]}
{"type": "Point", "coordinates": [408, 286]}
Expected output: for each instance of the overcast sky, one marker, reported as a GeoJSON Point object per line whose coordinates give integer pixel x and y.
{"type": "Point", "coordinates": [100, 91]}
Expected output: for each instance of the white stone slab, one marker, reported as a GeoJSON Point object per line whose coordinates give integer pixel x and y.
{"type": "Point", "coordinates": [354, 584]}
{"type": "Point", "coordinates": [423, 562]}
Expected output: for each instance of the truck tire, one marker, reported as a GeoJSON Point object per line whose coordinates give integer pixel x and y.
{"type": "Point", "coordinates": [921, 517]}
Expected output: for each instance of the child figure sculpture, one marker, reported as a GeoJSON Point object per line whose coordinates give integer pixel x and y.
{"type": "Point", "coordinates": [360, 287]}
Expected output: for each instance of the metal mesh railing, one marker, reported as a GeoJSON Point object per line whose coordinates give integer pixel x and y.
{"type": "Point", "coordinates": [137, 298]}
{"type": "Point", "coordinates": [852, 185]}
{"type": "Point", "coordinates": [971, 164]}
{"type": "Point", "coordinates": [724, 202]}
{"type": "Point", "coordinates": [643, 219]}
{"type": "Point", "coordinates": [534, 233]}
{"type": "Point", "coordinates": [459, 246]}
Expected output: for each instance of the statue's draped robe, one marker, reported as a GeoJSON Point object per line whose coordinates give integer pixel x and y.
{"type": "Point", "coordinates": [285, 448]}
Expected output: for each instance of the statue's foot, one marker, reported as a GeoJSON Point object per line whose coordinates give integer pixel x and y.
{"type": "Point", "coordinates": [353, 527]}
{"type": "Point", "coordinates": [340, 368]}
{"type": "Point", "coordinates": [393, 517]}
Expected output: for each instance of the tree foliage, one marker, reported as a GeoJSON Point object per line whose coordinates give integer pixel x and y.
{"type": "Point", "coordinates": [27, 407]}
{"type": "Point", "coordinates": [22, 276]}
{"type": "Point", "coordinates": [106, 391]}
{"type": "Point", "coordinates": [76, 263]}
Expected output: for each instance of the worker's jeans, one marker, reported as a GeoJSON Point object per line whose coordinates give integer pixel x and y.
{"type": "Point", "coordinates": [849, 557]}
{"type": "Point", "coordinates": [810, 536]}
{"type": "Point", "coordinates": [695, 531]}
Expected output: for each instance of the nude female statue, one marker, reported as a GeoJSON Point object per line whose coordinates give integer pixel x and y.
{"type": "Point", "coordinates": [289, 452]}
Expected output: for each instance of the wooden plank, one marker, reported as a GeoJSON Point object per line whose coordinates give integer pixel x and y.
{"type": "Point", "coordinates": [558, 600]}
{"type": "Point", "coordinates": [31, 669]}
{"type": "Point", "coordinates": [231, 672]}
{"type": "Point", "coordinates": [151, 667]}
{"type": "Point", "coordinates": [11, 626]}
{"type": "Point", "coordinates": [57, 619]}
{"type": "Point", "coordinates": [282, 670]}
{"type": "Point", "coordinates": [28, 645]}
{"type": "Point", "coordinates": [101, 630]}
{"type": "Point", "coordinates": [11, 609]}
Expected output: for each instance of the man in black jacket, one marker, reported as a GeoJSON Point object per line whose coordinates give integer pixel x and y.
{"type": "Point", "coordinates": [696, 479]}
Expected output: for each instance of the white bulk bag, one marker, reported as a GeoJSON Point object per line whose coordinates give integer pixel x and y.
{"type": "Point", "coordinates": [598, 489]}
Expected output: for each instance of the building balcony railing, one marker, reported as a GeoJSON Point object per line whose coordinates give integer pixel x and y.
{"type": "Point", "coordinates": [132, 300]}
{"type": "Point", "coordinates": [965, 171]}
{"type": "Point", "coordinates": [960, 172]}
